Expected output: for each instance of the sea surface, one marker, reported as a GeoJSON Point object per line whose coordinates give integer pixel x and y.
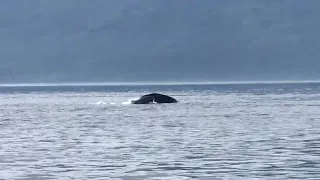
{"type": "Point", "coordinates": [216, 131]}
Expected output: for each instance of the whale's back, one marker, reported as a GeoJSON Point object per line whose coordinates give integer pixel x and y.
{"type": "Point", "coordinates": [155, 97]}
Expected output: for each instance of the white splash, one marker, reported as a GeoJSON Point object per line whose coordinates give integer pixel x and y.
{"type": "Point", "coordinates": [129, 101]}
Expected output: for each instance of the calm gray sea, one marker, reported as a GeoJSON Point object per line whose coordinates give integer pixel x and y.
{"type": "Point", "coordinates": [254, 131]}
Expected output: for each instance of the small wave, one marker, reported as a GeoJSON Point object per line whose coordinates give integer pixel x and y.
{"type": "Point", "coordinates": [100, 103]}
{"type": "Point", "coordinates": [129, 101]}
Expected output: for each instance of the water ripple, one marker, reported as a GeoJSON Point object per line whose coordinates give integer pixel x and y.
{"type": "Point", "coordinates": [210, 135]}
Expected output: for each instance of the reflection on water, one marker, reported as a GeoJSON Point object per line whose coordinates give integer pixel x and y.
{"type": "Point", "coordinates": [208, 135]}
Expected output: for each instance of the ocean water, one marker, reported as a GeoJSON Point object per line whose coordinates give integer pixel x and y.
{"type": "Point", "coordinates": [227, 131]}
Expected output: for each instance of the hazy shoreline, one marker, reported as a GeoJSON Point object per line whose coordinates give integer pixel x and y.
{"type": "Point", "coordinates": [153, 83]}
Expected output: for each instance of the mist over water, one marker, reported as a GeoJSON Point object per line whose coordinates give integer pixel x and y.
{"type": "Point", "coordinates": [147, 40]}
{"type": "Point", "coordinates": [250, 131]}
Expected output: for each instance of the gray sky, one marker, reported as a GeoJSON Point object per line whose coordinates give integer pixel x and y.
{"type": "Point", "coordinates": [159, 40]}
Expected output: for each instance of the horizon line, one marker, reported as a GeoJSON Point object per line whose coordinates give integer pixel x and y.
{"type": "Point", "coordinates": [168, 83]}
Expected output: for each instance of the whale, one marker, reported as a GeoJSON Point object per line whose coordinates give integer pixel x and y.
{"type": "Point", "coordinates": [154, 98]}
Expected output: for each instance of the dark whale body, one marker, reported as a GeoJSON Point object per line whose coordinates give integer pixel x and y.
{"type": "Point", "coordinates": [154, 97]}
